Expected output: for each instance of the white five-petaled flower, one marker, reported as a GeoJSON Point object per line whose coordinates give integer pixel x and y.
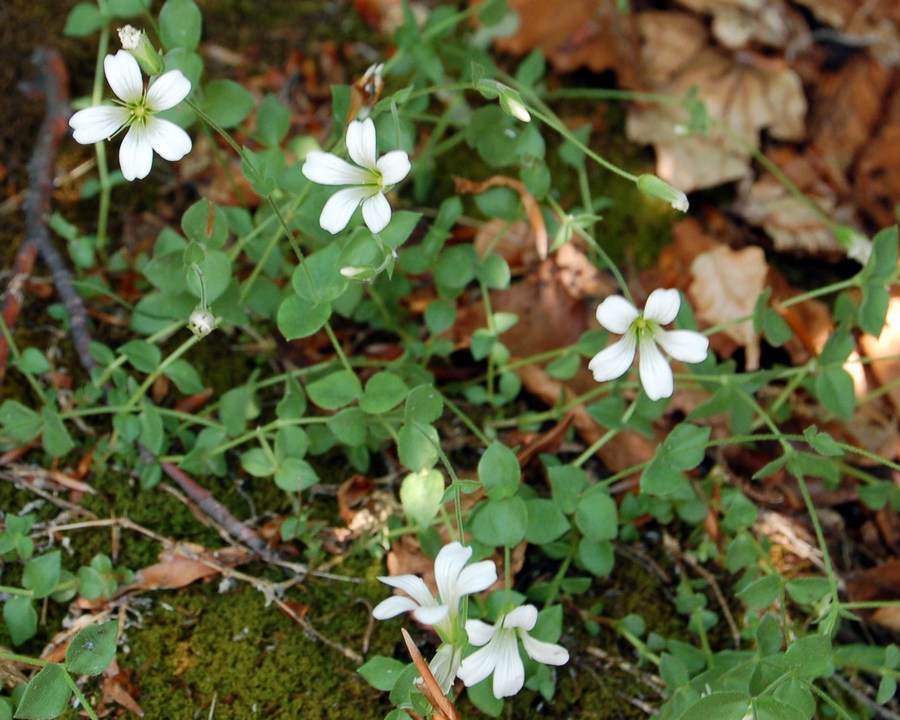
{"type": "Point", "coordinates": [369, 180]}
{"type": "Point", "coordinates": [500, 651]}
{"type": "Point", "coordinates": [642, 332]}
{"type": "Point", "coordinates": [453, 578]}
{"type": "Point", "coordinates": [136, 111]}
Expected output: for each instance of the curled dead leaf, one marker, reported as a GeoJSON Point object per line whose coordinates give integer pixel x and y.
{"type": "Point", "coordinates": [184, 563]}
{"type": "Point", "coordinates": [532, 209]}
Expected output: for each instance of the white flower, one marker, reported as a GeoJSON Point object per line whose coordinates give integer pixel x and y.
{"type": "Point", "coordinates": [445, 664]}
{"type": "Point", "coordinates": [146, 133]}
{"type": "Point", "coordinates": [500, 654]}
{"type": "Point", "coordinates": [643, 332]}
{"type": "Point", "coordinates": [370, 179]}
{"type": "Point", "coordinates": [454, 580]}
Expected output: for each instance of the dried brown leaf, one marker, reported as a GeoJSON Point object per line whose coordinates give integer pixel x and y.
{"type": "Point", "coordinates": [744, 91]}
{"type": "Point", "coordinates": [184, 563]}
{"type": "Point", "coordinates": [588, 33]}
{"type": "Point", "coordinates": [726, 284]}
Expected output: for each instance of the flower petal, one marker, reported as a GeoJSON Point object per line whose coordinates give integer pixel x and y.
{"type": "Point", "coordinates": [361, 143]}
{"type": "Point", "coordinates": [544, 652]}
{"type": "Point", "coordinates": [327, 169]}
{"type": "Point", "coordinates": [662, 305]}
{"type": "Point", "coordinates": [448, 564]}
{"type": "Point", "coordinates": [685, 345]}
{"type": "Point", "coordinates": [616, 314]}
{"type": "Point", "coordinates": [136, 153]}
{"type": "Point", "coordinates": [444, 665]}
{"type": "Point", "coordinates": [124, 76]}
{"type": "Point", "coordinates": [393, 606]}
{"type": "Point", "coordinates": [509, 672]}
{"type": "Point", "coordinates": [394, 166]}
{"type": "Point", "coordinates": [168, 90]}
{"type": "Point", "coordinates": [170, 141]}
{"type": "Point", "coordinates": [477, 666]}
{"type": "Point", "coordinates": [376, 212]}
{"type": "Point", "coordinates": [524, 616]}
{"type": "Point", "coordinates": [95, 124]}
{"type": "Point", "coordinates": [479, 632]}
{"type": "Point", "coordinates": [340, 208]}
{"type": "Point", "coordinates": [613, 361]}
{"type": "Point", "coordinates": [413, 586]}
{"type": "Point", "coordinates": [476, 577]}
{"type": "Point", "coordinates": [656, 375]}
{"type": "Point", "coordinates": [432, 615]}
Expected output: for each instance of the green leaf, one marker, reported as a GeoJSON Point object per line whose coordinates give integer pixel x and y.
{"type": "Point", "coordinates": [381, 672]}
{"type": "Point", "coordinates": [84, 19]}
{"type": "Point", "coordinates": [810, 656]}
{"type": "Point", "coordinates": [659, 478]}
{"type": "Point", "coordinates": [887, 688]}
{"type": "Point", "coordinates": [761, 592]}
{"type": "Point", "coordinates": [185, 377]}
{"type": "Point", "coordinates": [440, 316]}
{"type": "Point", "coordinates": [769, 636]}
{"type": "Point", "coordinates": [47, 694]}
{"type": "Point", "coordinates": [597, 557]}
{"type": "Point", "coordinates": [92, 649]}
{"type": "Point", "coordinates": [718, 705]}
{"type": "Point", "coordinates": [834, 388]}
{"type": "Point", "coordinates": [127, 8]}
{"type": "Point", "coordinates": [501, 522]}
{"type": "Point", "coordinates": [417, 446]}
{"type": "Point", "coordinates": [21, 618]}
{"type": "Point", "coordinates": [768, 707]}
{"type": "Point", "coordinates": [227, 102]}
{"type": "Point", "coordinates": [424, 404]}
{"type": "Point", "coordinates": [873, 308]}
{"type": "Point", "coordinates": [295, 475]}
{"type": "Point", "coordinates": [41, 574]}
{"type": "Point", "coordinates": [596, 515]}
{"type": "Point", "coordinates": [384, 391]}
{"type": "Point", "coordinates": [685, 446]}
{"type": "Point", "coordinates": [566, 482]}
{"type": "Point", "coordinates": [216, 269]}
{"type": "Point", "coordinates": [546, 522]}
{"type": "Point", "coordinates": [349, 426]}
{"type": "Point", "coordinates": [420, 495]}
{"type": "Point", "coordinates": [144, 356]}
{"type": "Point", "coordinates": [499, 471]}
{"type": "Point", "coordinates": [808, 590]}
{"type": "Point", "coordinates": [33, 361]}
{"type": "Point", "coordinates": [455, 267]}
{"type": "Point", "coordinates": [273, 120]}
{"type": "Point", "coordinates": [837, 348]}
{"type": "Point", "coordinates": [335, 390]}
{"type": "Point", "coordinates": [883, 262]}
{"type": "Point", "coordinates": [257, 462]}
{"type": "Point", "coordinates": [180, 24]}
{"type": "Point", "coordinates": [796, 693]}
{"type": "Point", "coordinates": [494, 272]}
{"type": "Point", "coordinates": [56, 439]}
{"type": "Point", "coordinates": [205, 224]}
{"type": "Point", "coordinates": [299, 318]}
{"type": "Point", "coordinates": [23, 423]}
{"type": "Point", "coordinates": [822, 442]}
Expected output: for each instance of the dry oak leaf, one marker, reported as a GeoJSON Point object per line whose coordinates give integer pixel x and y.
{"type": "Point", "coordinates": [791, 223]}
{"type": "Point", "coordinates": [877, 184]}
{"type": "Point", "coordinates": [736, 23]}
{"type": "Point", "coordinates": [745, 92]}
{"type": "Point", "coordinates": [847, 109]}
{"type": "Point", "coordinates": [726, 284]}
{"type": "Point", "coordinates": [590, 33]}
{"type": "Point", "coordinates": [183, 563]}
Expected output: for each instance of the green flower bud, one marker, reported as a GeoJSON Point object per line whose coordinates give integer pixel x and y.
{"type": "Point", "coordinates": [654, 187]}
{"type": "Point", "coordinates": [135, 42]}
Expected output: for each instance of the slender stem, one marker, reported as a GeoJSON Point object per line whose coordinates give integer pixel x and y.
{"type": "Point", "coordinates": [70, 681]}
{"type": "Point", "coordinates": [100, 147]}
{"type": "Point", "coordinates": [6, 656]}
{"type": "Point", "coordinates": [163, 366]}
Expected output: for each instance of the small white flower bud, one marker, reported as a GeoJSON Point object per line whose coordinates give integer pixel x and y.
{"type": "Point", "coordinates": [135, 42]}
{"type": "Point", "coordinates": [652, 186]}
{"type": "Point", "coordinates": [202, 322]}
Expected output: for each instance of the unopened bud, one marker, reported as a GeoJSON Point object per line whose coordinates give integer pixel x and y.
{"type": "Point", "coordinates": [202, 323]}
{"type": "Point", "coordinates": [654, 187]}
{"type": "Point", "coordinates": [858, 246]}
{"type": "Point", "coordinates": [510, 100]}
{"type": "Point", "coordinates": [135, 42]}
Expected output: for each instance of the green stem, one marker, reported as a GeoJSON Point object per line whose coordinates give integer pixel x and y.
{"type": "Point", "coordinates": [9, 590]}
{"type": "Point", "coordinates": [25, 659]}
{"type": "Point", "coordinates": [76, 691]}
{"type": "Point", "coordinates": [163, 366]}
{"type": "Point", "coordinates": [605, 438]}
{"type": "Point", "coordinates": [100, 147]}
